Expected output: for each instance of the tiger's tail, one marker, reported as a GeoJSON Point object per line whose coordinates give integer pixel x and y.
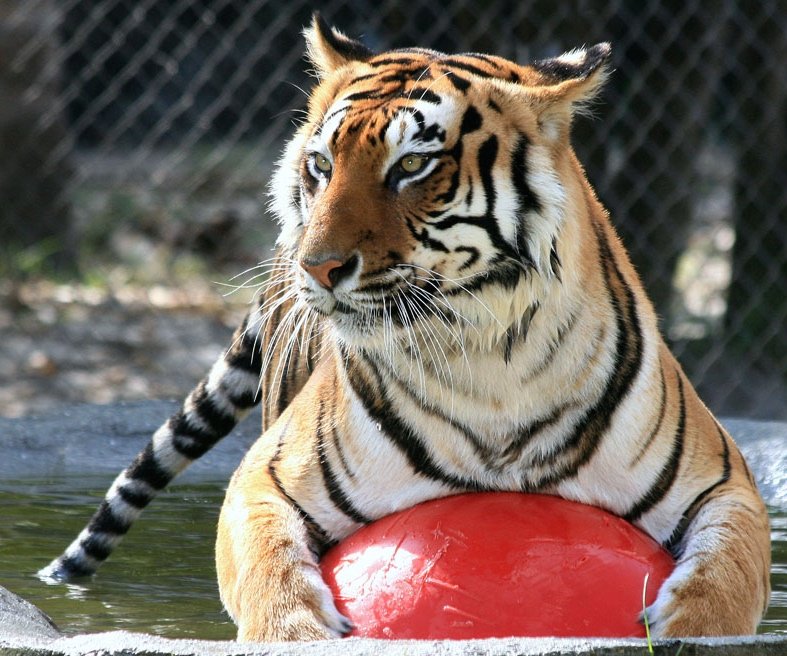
{"type": "Point", "coordinates": [211, 410]}
{"type": "Point", "coordinates": [272, 354]}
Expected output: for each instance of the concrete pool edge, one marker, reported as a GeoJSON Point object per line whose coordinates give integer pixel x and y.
{"type": "Point", "coordinates": [27, 631]}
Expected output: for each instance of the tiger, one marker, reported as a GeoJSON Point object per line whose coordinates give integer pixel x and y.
{"type": "Point", "coordinates": [449, 310]}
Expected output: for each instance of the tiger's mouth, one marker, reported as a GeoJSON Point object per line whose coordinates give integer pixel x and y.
{"type": "Point", "coordinates": [401, 308]}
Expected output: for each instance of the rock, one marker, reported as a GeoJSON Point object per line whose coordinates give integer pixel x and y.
{"type": "Point", "coordinates": [20, 618]}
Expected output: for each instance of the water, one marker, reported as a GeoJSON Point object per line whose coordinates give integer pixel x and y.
{"type": "Point", "coordinates": [776, 618]}
{"type": "Point", "coordinates": [162, 579]}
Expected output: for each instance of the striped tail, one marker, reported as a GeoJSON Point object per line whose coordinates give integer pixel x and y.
{"type": "Point", "coordinates": [210, 412]}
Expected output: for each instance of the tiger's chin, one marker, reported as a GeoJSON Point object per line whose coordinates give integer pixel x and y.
{"type": "Point", "coordinates": [356, 330]}
{"type": "Point", "coordinates": [377, 332]}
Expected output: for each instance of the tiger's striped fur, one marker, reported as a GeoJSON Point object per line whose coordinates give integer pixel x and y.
{"type": "Point", "coordinates": [480, 327]}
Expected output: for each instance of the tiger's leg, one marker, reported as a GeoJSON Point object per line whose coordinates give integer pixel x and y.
{"type": "Point", "coordinates": [268, 573]}
{"type": "Point", "coordinates": [720, 585]}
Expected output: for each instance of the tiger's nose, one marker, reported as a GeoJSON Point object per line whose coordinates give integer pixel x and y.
{"type": "Point", "coordinates": [330, 272]}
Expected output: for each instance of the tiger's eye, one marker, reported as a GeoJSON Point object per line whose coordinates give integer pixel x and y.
{"type": "Point", "coordinates": [322, 163]}
{"type": "Point", "coordinates": [412, 163]}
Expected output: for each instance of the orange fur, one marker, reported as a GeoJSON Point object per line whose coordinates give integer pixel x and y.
{"type": "Point", "coordinates": [406, 407]}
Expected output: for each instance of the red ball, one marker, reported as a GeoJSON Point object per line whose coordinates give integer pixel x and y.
{"type": "Point", "coordinates": [494, 565]}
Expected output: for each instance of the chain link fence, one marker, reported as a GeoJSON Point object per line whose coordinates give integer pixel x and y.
{"type": "Point", "coordinates": [164, 117]}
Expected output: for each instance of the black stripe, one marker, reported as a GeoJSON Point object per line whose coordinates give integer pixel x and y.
{"type": "Point", "coordinates": [181, 424]}
{"type": "Point", "coordinates": [319, 537]}
{"type": "Point", "coordinates": [106, 521]}
{"type": "Point", "coordinates": [469, 68]}
{"type": "Point", "coordinates": [527, 433]}
{"type": "Point", "coordinates": [487, 155]}
{"type": "Point", "coordinates": [554, 261]}
{"type": "Point", "coordinates": [456, 153]}
{"type": "Point", "coordinates": [134, 498]}
{"type": "Point", "coordinates": [486, 59]}
{"type": "Point", "coordinates": [471, 121]}
{"type": "Point", "coordinates": [425, 237]}
{"type": "Point", "coordinates": [594, 424]}
{"type": "Point", "coordinates": [469, 196]}
{"type": "Point", "coordinates": [360, 78]}
{"type": "Point", "coordinates": [371, 94]}
{"type": "Point", "coordinates": [147, 469]}
{"type": "Point", "coordinates": [283, 387]}
{"type": "Point", "coordinates": [501, 273]}
{"type": "Point", "coordinates": [94, 547]}
{"type": "Point", "coordinates": [484, 452]}
{"type": "Point", "coordinates": [244, 400]}
{"type": "Point", "coordinates": [669, 472]}
{"type": "Point", "coordinates": [473, 256]}
{"type": "Point", "coordinates": [564, 331]}
{"type": "Point", "coordinates": [313, 349]}
{"type": "Point", "coordinates": [397, 78]}
{"type": "Point", "coordinates": [674, 543]}
{"type": "Point", "coordinates": [448, 195]}
{"type": "Point", "coordinates": [499, 73]}
{"type": "Point", "coordinates": [339, 448]}
{"type": "Point", "coordinates": [376, 286]}
{"type": "Point", "coordinates": [527, 201]}
{"type": "Point", "coordinates": [245, 353]}
{"type": "Point", "coordinates": [188, 437]}
{"type": "Point", "coordinates": [383, 129]}
{"type": "Point", "coordinates": [74, 567]}
{"type": "Point", "coordinates": [219, 420]}
{"type": "Point", "coordinates": [460, 83]}
{"type": "Point", "coordinates": [657, 427]}
{"type": "Point", "coordinates": [420, 93]}
{"type": "Point", "coordinates": [335, 135]}
{"type": "Point", "coordinates": [332, 485]}
{"type": "Point", "coordinates": [518, 332]}
{"type": "Point", "coordinates": [379, 408]}
{"type": "Point", "coordinates": [379, 62]}
{"type": "Point", "coordinates": [189, 446]}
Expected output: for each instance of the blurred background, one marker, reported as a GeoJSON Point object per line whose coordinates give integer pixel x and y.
{"type": "Point", "coordinates": [137, 138]}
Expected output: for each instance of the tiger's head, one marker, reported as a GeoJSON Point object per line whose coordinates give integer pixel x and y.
{"type": "Point", "coordinates": [426, 187]}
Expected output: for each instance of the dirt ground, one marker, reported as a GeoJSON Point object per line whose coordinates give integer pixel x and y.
{"type": "Point", "coordinates": [65, 344]}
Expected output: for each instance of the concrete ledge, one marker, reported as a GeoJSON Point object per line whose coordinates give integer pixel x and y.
{"type": "Point", "coordinates": [26, 631]}
{"type": "Point", "coordinates": [122, 643]}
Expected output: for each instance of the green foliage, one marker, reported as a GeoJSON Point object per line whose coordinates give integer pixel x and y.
{"type": "Point", "coordinates": [34, 261]}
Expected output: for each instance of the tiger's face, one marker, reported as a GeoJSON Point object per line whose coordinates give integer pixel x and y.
{"type": "Point", "coordinates": [412, 196]}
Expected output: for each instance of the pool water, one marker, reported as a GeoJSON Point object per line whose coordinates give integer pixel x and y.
{"type": "Point", "coordinates": [161, 580]}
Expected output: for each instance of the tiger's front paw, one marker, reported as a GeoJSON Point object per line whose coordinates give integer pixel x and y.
{"type": "Point", "coordinates": [301, 609]}
{"type": "Point", "coordinates": [696, 601]}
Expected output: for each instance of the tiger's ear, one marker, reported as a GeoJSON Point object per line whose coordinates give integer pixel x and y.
{"type": "Point", "coordinates": [328, 49]}
{"type": "Point", "coordinates": [560, 87]}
